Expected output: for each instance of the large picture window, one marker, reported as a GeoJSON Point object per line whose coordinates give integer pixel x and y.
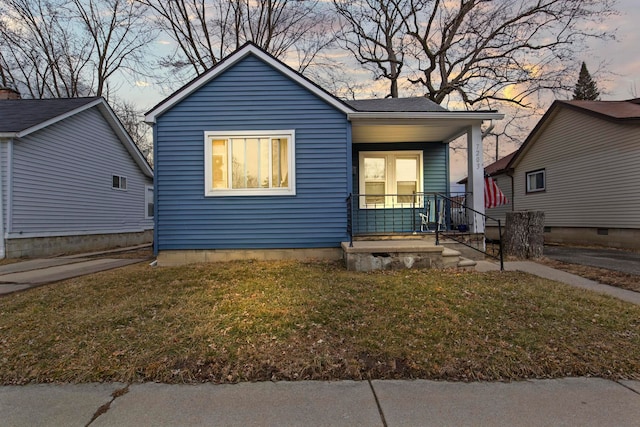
{"type": "Point", "coordinates": [389, 178]}
{"type": "Point", "coordinates": [536, 181]}
{"type": "Point", "coordinates": [249, 163]}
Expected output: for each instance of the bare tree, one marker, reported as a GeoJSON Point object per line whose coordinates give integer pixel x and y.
{"type": "Point", "coordinates": [207, 30]}
{"type": "Point", "coordinates": [56, 48]}
{"type": "Point", "coordinates": [132, 120]}
{"type": "Point", "coordinates": [119, 35]}
{"type": "Point", "coordinates": [373, 32]}
{"type": "Point", "coordinates": [40, 51]}
{"type": "Point", "coordinates": [484, 51]}
{"type": "Point", "coordinates": [476, 52]}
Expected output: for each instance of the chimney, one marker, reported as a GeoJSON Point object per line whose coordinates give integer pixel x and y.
{"type": "Point", "coordinates": [9, 93]}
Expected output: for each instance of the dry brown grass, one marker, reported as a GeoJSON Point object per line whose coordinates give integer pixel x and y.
{"type": "Point", "coordinates": [251, 321]}
{"type": "Point", "coordinates": [600, 275]}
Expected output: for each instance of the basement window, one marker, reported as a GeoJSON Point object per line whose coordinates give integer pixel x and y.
{"type": "Point", "coordinates": [119, 182]}
{"type": "Point", "coordinates": [536, 181]}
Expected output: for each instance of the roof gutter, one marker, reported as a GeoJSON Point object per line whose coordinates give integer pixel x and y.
{"type": "Point", "coordinates": [417, 115]}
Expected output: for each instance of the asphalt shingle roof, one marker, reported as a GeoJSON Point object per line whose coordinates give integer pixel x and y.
{"type": "Point", "coordinates": [17, 115]}
{"type": "Point", "coordinates": [621, 110]}
{"type": "Point", "coordinates": [400, 105]}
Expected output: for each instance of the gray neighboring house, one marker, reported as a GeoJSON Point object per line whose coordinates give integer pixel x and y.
{"type": "Point", "coordinates": [580, 165]}
{"type": "Point", "coordinates": [71, 178]}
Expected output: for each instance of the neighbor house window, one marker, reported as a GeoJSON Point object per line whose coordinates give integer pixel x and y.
{"type": "Point", "coordinates": [536, 181]}
{"type": "Point", "coordinates": [390, 178]}
{"type": "Point", "coordinates": [119, 182]}
{"type": "Point", "coordinates": [249, 163]}
{"type": "Point", "coordinates": [148, 201]}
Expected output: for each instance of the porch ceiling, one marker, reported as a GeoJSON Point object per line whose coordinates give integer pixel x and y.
{"type": "Point", "coordinates": [403, 133]}
{"type": "Point", "coordinates": [415, 129]}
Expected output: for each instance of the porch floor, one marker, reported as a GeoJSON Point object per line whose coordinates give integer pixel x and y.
{"type": "Point", "coordinates": [392, 245]}
{"type": "Point", "coordinates": [368, 255]}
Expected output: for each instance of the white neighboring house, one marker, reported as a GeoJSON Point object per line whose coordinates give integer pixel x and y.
{"type": "Point", "coordinates": [71, 178]}
{"type": "Point", "coordinates": [581, 166]}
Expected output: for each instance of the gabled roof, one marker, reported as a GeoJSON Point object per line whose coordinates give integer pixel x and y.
{"type": "Point", "coordinates": [623, 112]}
{"type": "Point", "coordinates": [228, 62]}
{"type": "Point", "coordinates": [21, 117]}
{"type": "Point", "coordinates": [500, 165]}
{"type": "Point", "coordinates": [611, 110]}
{"type": "Point", "coordinates": [392, 108]}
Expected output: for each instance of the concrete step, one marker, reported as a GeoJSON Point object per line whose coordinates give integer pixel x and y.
{"type": "Point", "coordinates": [450, 258]}
{"type": "Point", "coordinates": [466, 264]}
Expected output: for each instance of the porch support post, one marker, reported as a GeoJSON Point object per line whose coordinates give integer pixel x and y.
{"type": "Point", "coordinates": [475, 174]}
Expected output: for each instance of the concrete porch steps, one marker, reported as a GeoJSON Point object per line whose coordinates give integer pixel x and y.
{"type": "Point", "coordinates": [368, 255]}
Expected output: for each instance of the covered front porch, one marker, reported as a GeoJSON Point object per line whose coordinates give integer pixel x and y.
{"type": "Point", "coordinates": [401, 201]}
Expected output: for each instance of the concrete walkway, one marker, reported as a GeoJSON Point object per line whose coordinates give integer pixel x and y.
{"type": "Point", "coordinates": [561, 276]}
{"type": "Point", "coordinates": [36, 272]}
{"type": "Point", "coordinates": [562, 402]}
{"type": "Point", "coordinates": [624, 261]}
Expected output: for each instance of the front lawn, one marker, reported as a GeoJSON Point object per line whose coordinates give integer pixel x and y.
{"type": "Point", "coordinates": [252, 321]}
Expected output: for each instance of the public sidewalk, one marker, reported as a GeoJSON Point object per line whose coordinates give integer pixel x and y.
{"type": "Point", "coordinates": [562, 402]}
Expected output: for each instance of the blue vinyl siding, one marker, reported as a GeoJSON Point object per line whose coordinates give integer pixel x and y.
{"type": "Point", "coordinates": [61, 181]}
{"type": "Point", "coordinates": [251, 95]}
{"type": "Point", "coordinates": [435, 173]}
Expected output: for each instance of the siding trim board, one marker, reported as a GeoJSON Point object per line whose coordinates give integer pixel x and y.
{"type": "Point", "coordinates": [75, 233]}
{"type": "Point", "coordinates": [3, 146]}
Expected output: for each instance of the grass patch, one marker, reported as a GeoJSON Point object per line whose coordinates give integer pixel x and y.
{"type": "Point", "coordinates": [601, 275]}
{"type": "Point", "coordinates": [252, 321]}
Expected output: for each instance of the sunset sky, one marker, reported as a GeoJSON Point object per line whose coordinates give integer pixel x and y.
{"type": "Point", "coordinates": [615, 65]}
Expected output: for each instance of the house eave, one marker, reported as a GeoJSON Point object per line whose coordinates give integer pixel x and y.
{"type": "Point", "coordinates": [111, 119]}
{"type": "Point", "coordinates": [57, 119]}
{"type": "Point", "coordinates": [249, 49]}
{"type": "Point", "coordinates": [431, 115]}
{"type": "Point", "coordinates": [125, 138]}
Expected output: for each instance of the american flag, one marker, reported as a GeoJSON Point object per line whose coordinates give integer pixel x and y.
{"type": "Point", "coordinates": [493, 197]}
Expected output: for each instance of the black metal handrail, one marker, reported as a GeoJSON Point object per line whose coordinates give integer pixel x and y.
{"type": "Point", "coordinates": [444, 215]}
{"type": "Point", "coordinates": [485, 218]}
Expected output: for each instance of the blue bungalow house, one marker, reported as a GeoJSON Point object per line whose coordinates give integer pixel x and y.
{"type": "Point", "coordinates": [253, 160]}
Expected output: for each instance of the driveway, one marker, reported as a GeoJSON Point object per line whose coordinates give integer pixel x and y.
{"type": "Point", "coordinates": [36, 272]}
{"type": "Point", "coordinates": [611, 259]}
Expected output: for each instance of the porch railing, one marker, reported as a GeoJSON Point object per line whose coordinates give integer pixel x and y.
{"type": "Point", "coordinates": [446, 216]}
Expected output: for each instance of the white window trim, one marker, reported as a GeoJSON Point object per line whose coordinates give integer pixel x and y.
{"type": "Point", "coordinates": [146, 200]}
{"type": "Point", "coordinates": [544, 181]}
{"type": "Point", "coordinates": [390, 201]}
{"type": "Point", "coordinates": [209, 191]}
{"type": "Point", "coordinates": [120, 177]}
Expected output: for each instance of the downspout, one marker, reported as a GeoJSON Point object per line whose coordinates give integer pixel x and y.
{"type": "Point", "coordinates": [156, 186]}
{"type": "Point", "coordinates": [488, 130]}
{"type": "Point", "coordinates": [2, 237]}
{"type": "Point", "coordinates": [513, 190]}
{"type": "Point", "coordinates": [9, 185]}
